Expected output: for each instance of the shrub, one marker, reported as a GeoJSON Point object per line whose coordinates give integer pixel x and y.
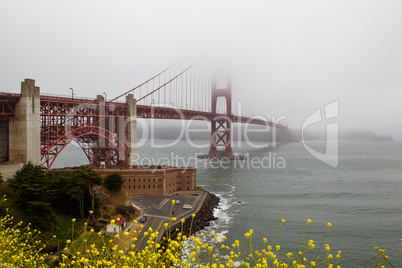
{"type": "Point", "coordinates": [113, 182]}
{"type": "Point", "coordinates": [18, 245]}
{"type": "Point", "coordinates": [19, 248]}
{"type": "Point", "coordinates": [125, 210]}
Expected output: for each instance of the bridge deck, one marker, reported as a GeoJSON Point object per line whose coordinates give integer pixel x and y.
{"type": "Point", "coordinates": [9, 100]}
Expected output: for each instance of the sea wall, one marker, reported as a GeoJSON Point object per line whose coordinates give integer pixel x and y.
{"type": "Point", "coordinates": [202, 217]}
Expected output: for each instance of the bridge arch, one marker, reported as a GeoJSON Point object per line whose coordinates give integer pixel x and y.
{"type": "Point", "coordinates": [115, 153]}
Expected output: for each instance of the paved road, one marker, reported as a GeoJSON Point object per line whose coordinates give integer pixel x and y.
{"type": "Point", "coordinates": [160, 206]}
{"type": "Point", "coordinates": [152, 222]}
{"type": "Point", "coordinates": [157, 209]}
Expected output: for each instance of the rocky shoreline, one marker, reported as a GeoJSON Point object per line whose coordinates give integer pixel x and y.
{"type": "Point", "coordinates": [202, 218]}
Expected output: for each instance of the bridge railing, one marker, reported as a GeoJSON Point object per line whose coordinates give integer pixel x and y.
{"type": "Point", "coordinates": [59, 96]}
{"type": "Point", "coordinates": [10, 95]}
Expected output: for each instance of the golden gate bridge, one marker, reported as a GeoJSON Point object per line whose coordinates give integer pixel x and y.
{"type": "Point", "coordinates": [104, 128]}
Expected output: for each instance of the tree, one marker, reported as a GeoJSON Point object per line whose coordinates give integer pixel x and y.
{"type": "Point", "coordinates": [86, 178]}
{"type": "Point", "coordinates": [29, 183]}
{"type": "Point", "coordinates": [33, 193]}
{"type": "Point", "coordinates": [113, 182]}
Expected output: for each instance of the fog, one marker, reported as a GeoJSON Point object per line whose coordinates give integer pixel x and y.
{"type": "Point", "coordinates": [287, 57]}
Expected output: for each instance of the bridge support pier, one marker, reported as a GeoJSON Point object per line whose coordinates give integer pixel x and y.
{"type": "Point", "coordinates": [24, 128]}
{"type": "Point", "coordinates": [131, 138]}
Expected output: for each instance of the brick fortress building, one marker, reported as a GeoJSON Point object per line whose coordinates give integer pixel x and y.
{"type": "Point", "coordinates": [160, 180]}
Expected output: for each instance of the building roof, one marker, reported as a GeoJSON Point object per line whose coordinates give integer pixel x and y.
{"type": "Point", "coordinates": [121, 221]}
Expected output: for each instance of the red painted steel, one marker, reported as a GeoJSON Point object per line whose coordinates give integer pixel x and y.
{"type": "Point", "coordinates": [99, 127]}
{"type": "Point", "coordinates": [91, 123]}
{"type": "Point", "coordinates": [7, 103]}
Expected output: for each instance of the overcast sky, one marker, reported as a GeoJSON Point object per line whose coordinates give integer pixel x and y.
{"type": "Point", "coordinates": [288, 57]}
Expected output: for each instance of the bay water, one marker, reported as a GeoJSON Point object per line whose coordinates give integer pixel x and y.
{"type": "Point", "coordinates": [361, 197]}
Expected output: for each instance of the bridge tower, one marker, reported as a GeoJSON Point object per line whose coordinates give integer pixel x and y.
{"type": "Point", "coordinates": [221, 125]}
{"type": "Point", "coordinates": [24, 127]}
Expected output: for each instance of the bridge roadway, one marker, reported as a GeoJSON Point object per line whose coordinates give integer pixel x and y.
{"type": "Point", "coordinates": [64, 105]}
{"type": "Point", "coordinates": [157, 209]}
{"type": "Point", "coordinates": [103, 129]}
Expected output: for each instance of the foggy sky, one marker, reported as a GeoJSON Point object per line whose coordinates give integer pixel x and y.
{"type": "Point", "coordinates": [288, 57]}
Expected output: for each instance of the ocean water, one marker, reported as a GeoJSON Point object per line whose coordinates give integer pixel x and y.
{"type": "Point", "coordinates": [361, 197]}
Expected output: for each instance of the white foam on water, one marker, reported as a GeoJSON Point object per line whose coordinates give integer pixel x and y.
{"type": "Point", "coordinates": [223, 212]}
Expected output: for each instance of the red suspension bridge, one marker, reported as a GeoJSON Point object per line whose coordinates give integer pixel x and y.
{"type": "Point", "coordinates": [106, 129]}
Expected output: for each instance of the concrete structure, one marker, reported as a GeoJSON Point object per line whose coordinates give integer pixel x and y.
{"type": "Point", "coordinates": [3, 139]}
{"type": "Point", "coordinates": [8, 169]}
{"type": "Point", "coordinates": [155, 181]}
{"type": "Point", "coordinates": [131, 130]}
{"type": "Point", "coordinates": [24, 128]}
{"type": "Point", "coordinates": [20, 134]}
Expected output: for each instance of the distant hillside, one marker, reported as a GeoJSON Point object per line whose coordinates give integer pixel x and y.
{"type": "Point", "coordinates": [363, 136]}
{"type": "Point", "coordinates": [343, 136]}
{"type": "Point", "coordinates": [173, 132]}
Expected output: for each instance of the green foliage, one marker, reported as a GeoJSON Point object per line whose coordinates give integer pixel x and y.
{"type": "Point", "coordinates": [19, 247]}
{"type": "Point", "coordinates": [113, 182]}
{"type": "Point", "coordinates": [49, 200]}
{"type": "Point", "coordinates": [124, 210]}
{"type": "Point", "coordinates": [33, 194]}
{"type": "Point", "coordinates": [29, 183]}
{"type": "Point", "coordinates": [87, 176]}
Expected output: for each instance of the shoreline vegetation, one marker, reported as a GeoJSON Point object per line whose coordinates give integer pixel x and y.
{"type": "Point", "coordinates": [19, 248]}
{"type": "Point", "coordinates": [64, 241]}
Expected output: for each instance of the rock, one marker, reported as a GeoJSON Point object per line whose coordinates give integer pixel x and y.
{"type": "Point", "coordinates": [202, 217]}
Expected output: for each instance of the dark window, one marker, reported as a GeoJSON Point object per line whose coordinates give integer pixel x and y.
{"type": "Point", "coordinates": [154, 180]}
{"type": "Point", "coordinates": [139, 186]}
{"type": "Point", "coordinates": [149, 186]}
{"type": "Point", "coordinates": [149, 180]}
{"type": "Point", "coordinates": [129, 187]}
{"type": "Point", "coordinates": [133, 186]}
{"type": "Point", "coordinates": [154, 186]}
{"type": "Point", "coordinates": [129, 180]}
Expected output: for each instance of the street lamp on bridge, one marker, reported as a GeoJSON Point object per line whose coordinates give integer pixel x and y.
{"type": "Point", "coordinates": [105, 95]}
{"type": "Point", "coordinates": [72, 93]}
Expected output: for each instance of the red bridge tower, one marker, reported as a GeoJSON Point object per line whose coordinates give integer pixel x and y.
{"type": "Point", "coordinates": [221, 125]}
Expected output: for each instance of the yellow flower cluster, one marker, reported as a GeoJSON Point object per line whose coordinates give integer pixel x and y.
{"type": "Point", "coordinates": [19, 249]}
{"type": "Point", "coordinates": [18, 245]}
